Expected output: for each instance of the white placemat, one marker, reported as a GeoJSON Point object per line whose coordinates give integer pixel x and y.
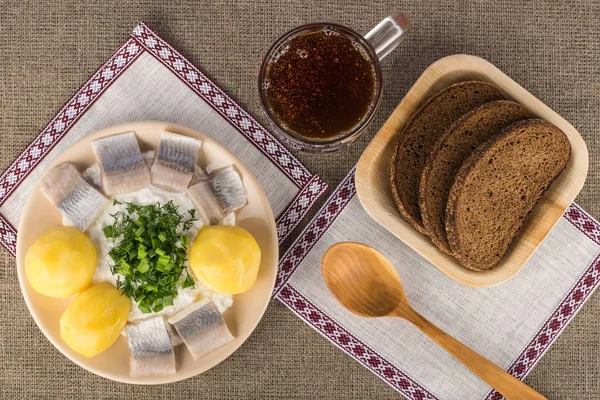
{"type": "Point", "coordinates": [512, 324]}
{"type": "Point", "coordinates": [146, 79]}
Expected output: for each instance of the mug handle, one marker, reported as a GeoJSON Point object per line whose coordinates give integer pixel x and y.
{"type": "Point", "coordinates": [388, 33]}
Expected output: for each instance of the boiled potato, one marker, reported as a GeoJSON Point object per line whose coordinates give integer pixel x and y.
{"type": "Point", "coordinates": [95, 319]}
{"type": "Point", "coordinates": [61, 262]}
{"type": "Point", "coordinates": [225, 258]}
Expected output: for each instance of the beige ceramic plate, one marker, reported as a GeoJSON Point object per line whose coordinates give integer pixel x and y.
{"type": "Point", "coordinates": [373, 171]}
{"type": "Point", "coordinates": [39, 216]}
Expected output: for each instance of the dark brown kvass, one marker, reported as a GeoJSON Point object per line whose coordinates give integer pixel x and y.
{"type": "Point", "coordinates": [321, 85]}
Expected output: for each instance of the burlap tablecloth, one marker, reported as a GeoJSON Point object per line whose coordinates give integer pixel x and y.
{"type": "Point", "coordinates": [48, 49]}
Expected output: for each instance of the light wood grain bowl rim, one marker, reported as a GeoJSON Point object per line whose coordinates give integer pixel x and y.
{"type": "Point", "coordinates": [373, 169]}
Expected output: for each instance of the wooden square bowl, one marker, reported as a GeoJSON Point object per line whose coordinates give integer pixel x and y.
{"type": "Point", "coordinates": [373, 171]}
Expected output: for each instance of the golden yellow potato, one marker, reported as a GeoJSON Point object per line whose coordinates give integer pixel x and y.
{"type": "Point", "coordinates": [225, 258]}
{"type": "Point", "coordinates": [61, 262]}
{"type": "Point", "coordinates": [95, 319]}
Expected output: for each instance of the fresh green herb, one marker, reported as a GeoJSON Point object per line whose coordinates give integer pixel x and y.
{"type": "Point", "coordinates": [189, 281]}
{"type": "Point", "coordinates": [150, 254]}
{"type": "Point", "coordinates": [109, 231]}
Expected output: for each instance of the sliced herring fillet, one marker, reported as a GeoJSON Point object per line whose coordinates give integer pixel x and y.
{"type": "Point", "coordinates": [148, 157]}
{"type": "Point", "coordinates": [174, 161]}
{"type": "Point", "coordinates": [79, 201]}
{"type": "Point", "coordinates": [173, 335]}
{"type": "Point", "coordinates": [218, 196]}
{"type": "Point", "coordinates": [201, 327]}
{"type": "Point", "coordinates": [206, 203]}
{"type": "Point", "coordinates": [122, 164]}
{"type": "Point", "coordinates": [151, 349]}
{"type": "Point", "coordinates": [93, 175]}
{"type": "Point", "coordinates": [229, 189]}
{"type": "Point", "coordinates": [200, 175]}
{"type": "Point", "coordinates": [228, 220]}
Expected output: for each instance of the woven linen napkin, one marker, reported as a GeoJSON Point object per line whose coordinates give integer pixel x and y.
{"type": "Point", "coordinates": [146, 79]}
{"type": "Point", "coordinates": [512, 324]}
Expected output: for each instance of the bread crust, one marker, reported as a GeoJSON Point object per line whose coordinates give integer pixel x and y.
{"type": "Point", "coordinates": [472, 129]}
{"type": "Point", "coordinates": [456, 193]}
{"type": "Point", "coordinates": [406, 195]}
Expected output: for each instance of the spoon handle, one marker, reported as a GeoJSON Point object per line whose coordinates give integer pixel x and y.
{"type": "Point", "coordinates": [506, 384]}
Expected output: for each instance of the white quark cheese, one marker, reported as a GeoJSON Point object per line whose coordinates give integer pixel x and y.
{"type": "Point", "coordinates": [146, 196]}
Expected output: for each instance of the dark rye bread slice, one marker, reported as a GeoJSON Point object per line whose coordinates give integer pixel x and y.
{"type": "Point", "coordinates": [420, 134]}
{"type": "Point", "coordinates": [498, 186]}
{"type": "Point", "coordinates": [448, 155]}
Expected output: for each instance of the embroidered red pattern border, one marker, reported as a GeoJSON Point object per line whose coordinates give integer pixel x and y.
{"type": "Point", "coordinates": [8, 236]}
{"type": "Point", "coordinates": [311, 186]}
{"type": "Point", "coordinates": [557, 322]}
{"type": "Point", "coordinates": [329, 328]}
{"type": "Point", "coordinates": [222, 103]}
{"type": "Point", "coordinates": [567, 309]}
{"type": "Point", "coordinates": [584, 222]}
{"type": "Point", "coordinates": [311, 235]}
{"type": "Point", "coordinates": [349, 343]}
{"type": "Point", "coordinates": [66, 117]}
{"type": "Point", "coordinates": [301, 205]}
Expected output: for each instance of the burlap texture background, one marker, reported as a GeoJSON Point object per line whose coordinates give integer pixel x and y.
{"type": "Point", "coordinates": [48, 49]}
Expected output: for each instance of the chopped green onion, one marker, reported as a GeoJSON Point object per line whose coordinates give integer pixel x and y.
{"type": "Point", "coordinates": [150, 253]}
{"type": "Point", "coordinates": [143, 266]}
{"type": "Point", "coordinates": [143, 308]}
{"type": "Point", "coordinates": [163, 261]}
{"type": "Point", "coordinates": [188, 282]}
{"type": "Point", "coordinates": [109, 231]}
{"type": "Point", "coordinates": [168, 300]}
{"type": "Point", "coordinates": [184, 240]}
{"type": "Point", "coordinates": [123, 271]}
{"type": "Point", "coordinates": [149, 288]}
{"type": "Point", "coordinates": [170, 266]}
{"type": "Point", "coordinates": [142, 253]}
{"type": "Point", "coordinates": [158, 307]}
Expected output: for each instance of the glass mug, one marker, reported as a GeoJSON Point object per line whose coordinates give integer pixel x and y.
{"type": "Point", "coordinates": [373, 47]}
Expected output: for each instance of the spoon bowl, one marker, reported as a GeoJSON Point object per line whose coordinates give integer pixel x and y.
{"type": "Point", "coordinates": [362, 279]}
{"type": "Point", "coordinates": [366, 283]}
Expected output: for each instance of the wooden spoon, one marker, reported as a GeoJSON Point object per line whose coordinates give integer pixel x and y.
{"type": "Point", "coordinates": [365, 282]}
